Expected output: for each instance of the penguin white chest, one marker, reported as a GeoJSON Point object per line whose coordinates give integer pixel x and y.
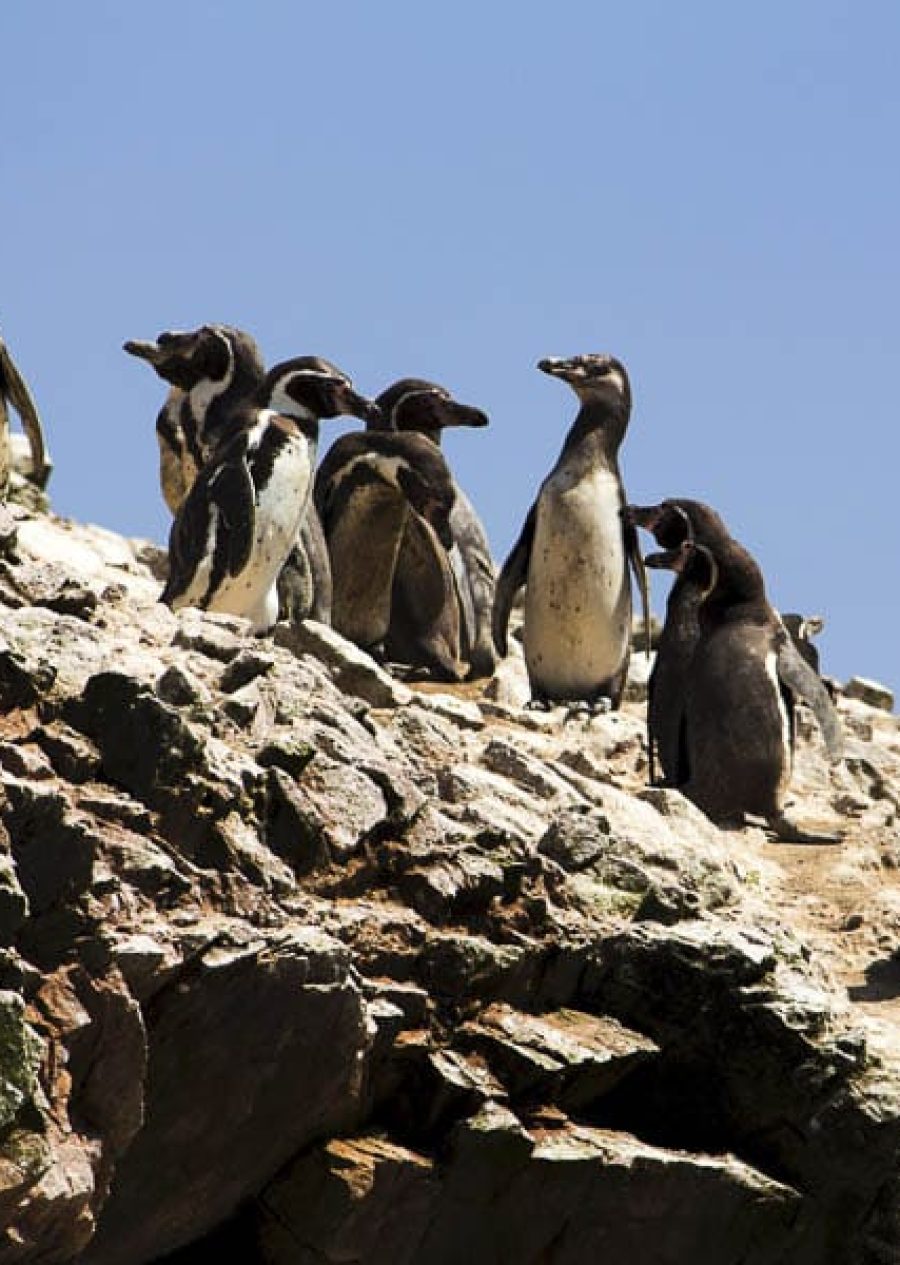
{"type": "Point", "coordinates": [578, 598]}
{"type": "Point", "coordinates": [279, 506]}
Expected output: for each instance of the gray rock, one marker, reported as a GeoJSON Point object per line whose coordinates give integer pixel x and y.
{"type": "Point", "coordinates": [264, 1010]}
{"type": "Point", "coordinates": [872, 693]}
{"type": "Point", "coordinates": [352, 670]}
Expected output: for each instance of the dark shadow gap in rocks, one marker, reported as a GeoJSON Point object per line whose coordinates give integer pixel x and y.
{"type": "Point", "coordinates": [679, 1105]}
{"type": "Point", "coordinates": [234, 1240]}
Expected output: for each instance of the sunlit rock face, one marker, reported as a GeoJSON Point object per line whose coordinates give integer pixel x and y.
{"type": "Point", "coordinates": [304, 964]}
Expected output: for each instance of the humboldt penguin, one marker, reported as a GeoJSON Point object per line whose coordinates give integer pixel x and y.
{"type": "Point", "coordinates": [369, 488]}
{"type": "Point", "coordinates": [735, 722]}
{"type": "Point", "coordinates": [242, 515]}
{"type": "Point", "coordinates": [574, 551]}
{"type": "Point", "coordinates": [802, 629]}
{"type": "Point", "coordinates": [212, 371]}
{"type": "Point", "coordinates": [413, 404]}
{"type": "Point", "coordinates": [673, 523]}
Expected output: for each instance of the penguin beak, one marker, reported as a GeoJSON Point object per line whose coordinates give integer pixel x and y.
{"type": "Point", "coordinates": [558, 368]}
{"type": "Point", "coordinates": [450, 413]}
{"type": "Point", "coordinates": [646, 516]}
{"type": "Point", "coordinates": [349, 402]}
{"type": "Point", "coordinates": [669, 559]}
{"type": "Point", "coordinates": [145, 351]}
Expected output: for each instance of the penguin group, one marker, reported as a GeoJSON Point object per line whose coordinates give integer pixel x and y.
{"type": "Point", "coordinates": [380, 541]}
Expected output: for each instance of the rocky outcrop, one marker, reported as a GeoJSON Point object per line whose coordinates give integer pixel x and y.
{"type": "Point", "coordinates": [305, 964]}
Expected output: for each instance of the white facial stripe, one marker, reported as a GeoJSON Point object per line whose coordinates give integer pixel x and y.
{"type": "Point", "coordinates": [387, 467]}
{"type": "Point", "coordinates": [616, 377]}
{"type": "Point", "coordinates": [318, 373]}
{"type": "Point", "coordinates": [713, 574]}
{"type": "Point", "coordinates": [281, 402]}
{"type": "Point", "coordinates": [208, 389]}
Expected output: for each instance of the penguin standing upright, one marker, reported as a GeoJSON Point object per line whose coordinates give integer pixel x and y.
{"type": "Point", "coordinates": [574, 551]}
{"type": "Point", "coordinates": [735, 720]}
{"type": "Point", "coordinates": [212, 372]}
{"type": "Point", "coordinates": [379, 492]}
{"type": "Point", "coordinates": [675, 524]}
{"type": "Point", "coordinates": [413, 404]}
{"type": "Point", "coordinates": [242, 515]}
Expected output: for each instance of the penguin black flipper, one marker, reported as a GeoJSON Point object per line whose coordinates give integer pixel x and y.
{"type": "Point", "coordinates": [316, 548]}
{"type": "Point", "coordinates": [796, 674]}
{"type": "Point", "coordinates": [222, 497]}
{"type": "Point", "coordinates": [512, 576]}
{"type": "Point", "coordinates": [304, 585]}
{"type": "Point", "coordinates": [14, 387]}
{"type": "Point", "coordinates": [633, 550]}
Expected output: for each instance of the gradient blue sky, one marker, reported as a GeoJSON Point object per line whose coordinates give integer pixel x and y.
{"type": "Point", "coordinates": [709, 191]}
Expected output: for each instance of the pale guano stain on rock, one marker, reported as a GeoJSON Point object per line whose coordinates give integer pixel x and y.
{"type": "Point", "coordinates": [302, 964]}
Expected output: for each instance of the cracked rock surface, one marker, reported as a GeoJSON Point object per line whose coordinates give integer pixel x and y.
{"type": "Point", "coordinates": [300, 964]}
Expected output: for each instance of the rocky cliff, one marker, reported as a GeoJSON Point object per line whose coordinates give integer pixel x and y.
{"type": "Point", "coordinates": [308, 965]}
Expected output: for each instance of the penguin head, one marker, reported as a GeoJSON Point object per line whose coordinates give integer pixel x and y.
{"type": "Point", "coordinates": [594, 379]}
{"type": "Point", "coordinates": [803, 627]}
{"type": "Point", "coordinates": [211, 353]}
{"type": "Point", "coordinates": [695, 563]}
{"type": "Point", "coordinates": [676, 520]}
{"type": "Point", "coordinates": [310, 387]}
{"type": "Point", "coordinates": [412, 404]}
{"type": "Point", "coordinates": [669, 522]}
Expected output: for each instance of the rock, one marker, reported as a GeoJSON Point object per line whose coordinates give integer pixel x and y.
{"type": "Point", "coordinates": [869, 692]}
{"type": "Point", "coordinates": [328, 1207]}
{"type": "Point", "coordinates": [509, 684]}
{"type": "Point", "coordinates": [144, 744]}
{"type": "Point", "coordinates": [234, 1010]}
{"type": "Point", "coordinates": [298, 963]}
{"type": "Point", "coordinates": [502, 1194]}
{"type": "Point", "coordinates": [564, 1057]}
{"type": "Point", "coordinates": [178, 687]}
{"type": "Point", "coordinates": [352, 670]}
{"type": "Point", "coordinates": [13, 902]}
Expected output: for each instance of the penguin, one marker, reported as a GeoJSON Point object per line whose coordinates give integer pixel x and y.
{"type": "Point", "coordinates": [14, 391]}
{"type": "Point", "coordinates": [414, 404]}
{"type": "Point", "coordinates": [802, 629]}
{"type": "Point", "coordinates": [740, 681]}
{"type": "Point", "coordinates": [212, 371]}
{"type": "Point", "coordinates": [574, 551]}
{"type": "Point", "coordinates": [242, 515]}
{"type": "Point", "coordinates": [370, 488]}
{"type": "Point", "coordinates": [673, 523]}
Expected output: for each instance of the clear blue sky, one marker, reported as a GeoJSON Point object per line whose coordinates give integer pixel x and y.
{"type": "Point", "coordinates": [709, 191]}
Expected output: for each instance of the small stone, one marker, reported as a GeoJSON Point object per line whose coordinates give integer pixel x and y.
{"type": "Point", "coordinates": [243, 669]}
{"type": "Point", "coordinates": [852, 922]}
{"type": "Point", "coordinates": [215, 636]}
{"type": "Point", "coordinates": [290, 754]}
{"type": "Point", "coordinates": [241, 706]}
{"type": "Point", "coordinates": [352, 670]}
{"type": "Point", "coordinates": [873, 693]}
{"type": "Point", "coordinates": [178, 687]}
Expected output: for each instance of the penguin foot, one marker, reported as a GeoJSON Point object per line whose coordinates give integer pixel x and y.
{"type": "Point", "coordinates": [539, 705]}
{"type": "Point", "coordinates": [588, 708]}
{"type": "Point", "coordinates": [787, 831]}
